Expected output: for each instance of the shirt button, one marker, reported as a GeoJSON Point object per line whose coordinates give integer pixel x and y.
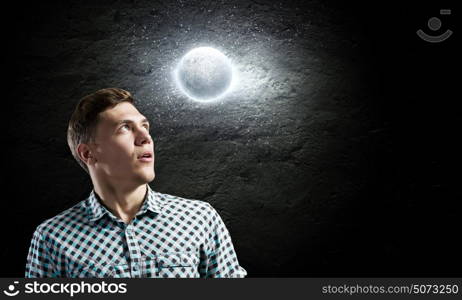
{"type": "Point", "coordinates": [135, 268]}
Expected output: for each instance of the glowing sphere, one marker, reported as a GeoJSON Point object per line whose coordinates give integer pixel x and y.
{"type": "Point", "coordinates": [204, 74]}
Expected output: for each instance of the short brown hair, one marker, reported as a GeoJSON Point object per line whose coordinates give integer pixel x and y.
{"type": "Point", "coordinates": [85, 117]}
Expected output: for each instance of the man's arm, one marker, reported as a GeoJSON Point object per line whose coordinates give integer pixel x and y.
{"type": "Point", "coordinates": [219, 259]}
{"type": "Point", "coordinates": [39, 260]}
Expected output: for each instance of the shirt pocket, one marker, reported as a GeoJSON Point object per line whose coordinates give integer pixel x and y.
{"type": "Point", "coordinates": [176, 265]}
{"type": "Point", "coordinates": [90, 269]}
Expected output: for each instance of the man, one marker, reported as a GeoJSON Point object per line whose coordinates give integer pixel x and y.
{"type": "Point", "coordinates": [124, 228]}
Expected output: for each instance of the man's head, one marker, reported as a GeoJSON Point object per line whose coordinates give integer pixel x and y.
{"type": "Point", "coordinates": [108, 136]}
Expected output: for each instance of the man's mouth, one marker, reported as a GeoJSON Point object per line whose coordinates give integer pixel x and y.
{"type": "Point", "coordinates": [146, 156]}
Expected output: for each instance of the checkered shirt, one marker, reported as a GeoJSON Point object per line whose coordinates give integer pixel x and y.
{"type": "Point", "coordinates": [170, 237]}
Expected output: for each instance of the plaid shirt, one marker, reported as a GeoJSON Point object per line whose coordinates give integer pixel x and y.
{"type": "Point", "coordinates": [169, 237]}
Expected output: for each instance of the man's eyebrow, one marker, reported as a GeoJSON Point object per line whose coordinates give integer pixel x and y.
{"type": "Point", "coordinates": [131, 121]}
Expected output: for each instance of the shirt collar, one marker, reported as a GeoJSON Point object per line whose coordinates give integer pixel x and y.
{"type": "Point", "coordinates": [96, 210]}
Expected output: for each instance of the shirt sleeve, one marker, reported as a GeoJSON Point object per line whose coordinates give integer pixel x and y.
{"type": "Point", "coordinates": [219, 259]}
{"type": "Point", "coordinates": [39, 261]}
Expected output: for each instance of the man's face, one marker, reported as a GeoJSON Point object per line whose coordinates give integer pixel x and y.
{"type": "Point", "coordinates": [121, 138]}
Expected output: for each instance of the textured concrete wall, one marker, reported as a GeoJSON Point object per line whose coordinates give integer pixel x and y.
{"type": "Point", "coordinates": [300, 159]}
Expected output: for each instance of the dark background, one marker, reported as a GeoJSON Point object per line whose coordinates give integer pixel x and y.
{"type": "Point", "coordinates": [337, 155]}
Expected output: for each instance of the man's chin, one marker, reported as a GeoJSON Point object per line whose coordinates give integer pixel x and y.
{"type": "Point", "coordinates": [148, 177]}
{"type": "Point", "coordinates": [151, 178]}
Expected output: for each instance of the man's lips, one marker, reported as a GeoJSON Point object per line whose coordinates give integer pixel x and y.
{"type": "Point", "coordinates": [146, 156]}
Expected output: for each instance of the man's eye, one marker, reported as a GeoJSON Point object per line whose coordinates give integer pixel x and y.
{"type": "Point", "coordinates": [125, 127]}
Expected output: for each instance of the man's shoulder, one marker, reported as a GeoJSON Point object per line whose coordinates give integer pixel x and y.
{"type": "Point", "coordinates": [195, 211]}
{"type": "Point", "coordinates": [172, 203]}
{"type": "Point", "coordinates": [64, 219]}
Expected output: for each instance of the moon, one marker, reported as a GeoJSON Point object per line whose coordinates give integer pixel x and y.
{"type": "Point", "coordinates": [204, 74]}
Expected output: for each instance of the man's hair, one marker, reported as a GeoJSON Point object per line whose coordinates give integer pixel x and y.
{"type": "Point", "coordinates": [84, 119]}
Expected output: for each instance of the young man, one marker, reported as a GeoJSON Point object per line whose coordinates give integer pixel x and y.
{"type": "Point", "coordinates": [124, 228]}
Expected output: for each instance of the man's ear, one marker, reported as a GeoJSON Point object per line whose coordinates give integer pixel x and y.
{"type": "Point", "coordinates": [86, 154]}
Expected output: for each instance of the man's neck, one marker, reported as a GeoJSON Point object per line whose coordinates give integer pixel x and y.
{"type": "Point", "coordinates": [123, 203]}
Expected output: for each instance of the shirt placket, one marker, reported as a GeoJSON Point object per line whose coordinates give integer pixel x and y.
{"type": "Point", "coordinates": [133, 250]}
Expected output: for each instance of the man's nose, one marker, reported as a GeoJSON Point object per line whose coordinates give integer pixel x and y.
{"type": "Point", "coordinates": [144, 138]}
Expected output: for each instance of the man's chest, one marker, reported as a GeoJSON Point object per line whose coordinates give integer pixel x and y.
{"type": "Point", "coordinates": [165, 247]}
